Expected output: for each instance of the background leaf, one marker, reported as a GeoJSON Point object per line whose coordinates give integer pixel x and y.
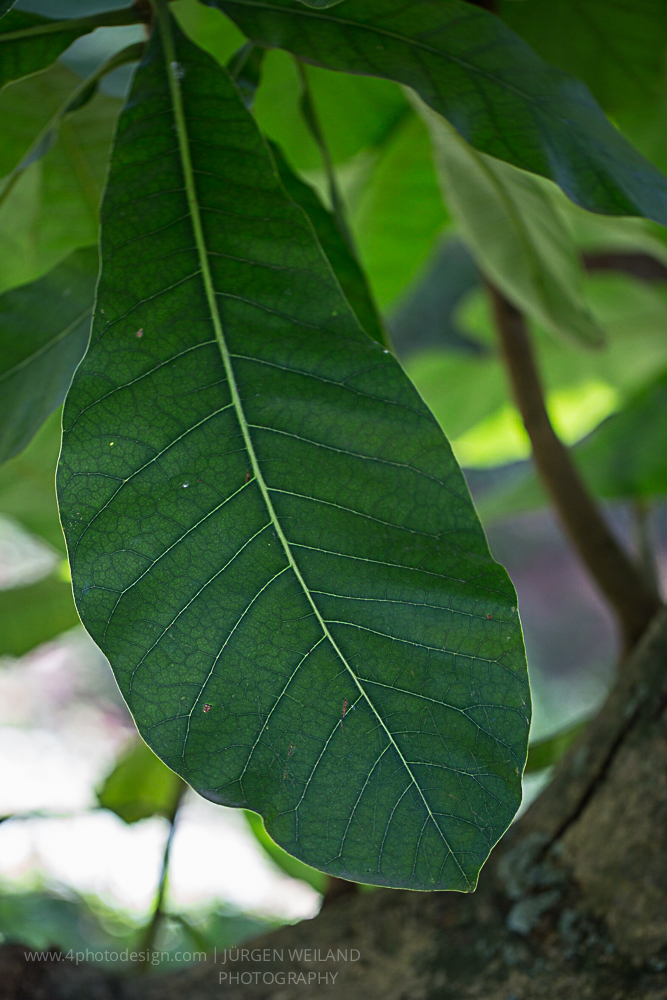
{"type": "Point", "coordinates": [617, 49]}
{"type": "Point", "coordinates": [469, 67]}
{"type": "Point", "coordinates": [30, 43]}
{"type": "Point", "coordinates": [624, 458]}
{"type": "Point", "coordinates": [140, 786]}
{"type": "Point", "coordinates": [268, 534]}
{"type": "Point", "coordinates": [27, 485]}
{"type": "Point", "coordinates": [291, 866]}
{"type": "Point", "coordinates": [515, 232]}
{"type": "Point", "coordinates": [35, 614]}
{"type": "Point", "coordinates": [53, 207]}
{"type": "Point", "coordinates": [44, 329]}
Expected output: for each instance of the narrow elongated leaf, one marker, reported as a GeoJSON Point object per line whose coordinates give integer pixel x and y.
{"type": "Point", "coordinates": [471, 68]}
{"type": "Point", "coordinates": [30, 43]}
{"type": "Point", "coordinates": [245, 69]}
{"type": "Point", "coordinates": [268, 534]}
{"type": "Point", "coordinates": [35, 614]}
{"type": "Point", "coordinates": [515, 232]}
{"type": "Point", "coordinates": [44, 330]}
{"type": "Point", "coordinates": [400, 212]}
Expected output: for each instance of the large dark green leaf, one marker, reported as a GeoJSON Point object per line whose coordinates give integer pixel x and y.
{"type": "Point", "coordinates": [268, 534]}
{"type": "Point", "coordinates": [29, 42]}
{"type": "Point", "coordinates": [471, 68]}
{"type": "Point", "coordinates": [35, 614]}
{"type": "Point", "coordinates": [44, 330]}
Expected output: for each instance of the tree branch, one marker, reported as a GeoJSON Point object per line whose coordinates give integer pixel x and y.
{"type": "Point", "coordinates": [616, 575]}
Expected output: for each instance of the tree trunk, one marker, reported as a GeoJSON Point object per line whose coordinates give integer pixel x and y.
{"type": "Point", "coordinates": [572, 903]}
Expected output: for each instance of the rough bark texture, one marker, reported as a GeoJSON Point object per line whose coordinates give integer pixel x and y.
{"type": "Point", "coordinates": [571, 905]}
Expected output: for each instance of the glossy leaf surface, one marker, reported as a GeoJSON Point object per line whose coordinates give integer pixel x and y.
{"type": "Point", "coordinates": [44, 328]}
{"type": "Point", "coordinates": [472, 69]}
{"type": "Point", "coordinates": [268, 534]}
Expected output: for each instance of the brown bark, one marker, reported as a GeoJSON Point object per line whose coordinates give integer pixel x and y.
{"type": "Point", "coordinates": [571, 905]}
{"type": "Point", "coordinates": [621, 582]}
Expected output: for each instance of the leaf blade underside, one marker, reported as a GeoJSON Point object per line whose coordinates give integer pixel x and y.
{"type": "Point", "coordinates": [268, 534]}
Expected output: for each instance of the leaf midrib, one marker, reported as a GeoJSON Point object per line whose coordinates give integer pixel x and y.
{"type": "Point", "coordinates": [171, 67]}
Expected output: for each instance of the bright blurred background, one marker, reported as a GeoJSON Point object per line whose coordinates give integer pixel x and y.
{"type": "Point", "coordinates": [73, 872]}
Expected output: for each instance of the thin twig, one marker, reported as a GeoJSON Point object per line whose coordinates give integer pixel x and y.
{"type": "Point", "coordinates": [150, 933]}
{"type": "Point", "coordinates": [615, 573]}
{"type": "Point", "coordinates": [312, 121]}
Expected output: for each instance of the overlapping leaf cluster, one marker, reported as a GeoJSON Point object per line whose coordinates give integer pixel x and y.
{"type": "Point", "coordinates": [268, 534]}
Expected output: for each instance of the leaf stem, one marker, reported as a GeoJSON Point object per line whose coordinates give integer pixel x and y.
{"type": "Point", "coordinates": [335, 196]}
{"type": "Point", "coordinates": [150, 933]}
{"type": "Point", "coordinates": [615, 573]}
{"type": "Point", "coordinates": [315, 129]}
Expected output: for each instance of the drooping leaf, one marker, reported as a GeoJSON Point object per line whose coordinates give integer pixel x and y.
{"type": "Point", "coordinates": [515, 232]}
{"type": "Point", "coordinates": [53, 207]}
{"type": "Point", "coordinates": [268, 534]}
{"type": "Point", "coordinates": [545, 753]}
{"type": "Point", "coordinates": [30, 42]}
{"type": "Point", "coordinates": [346, 268]}
{"type": "Point", "coordinates": [27, 485]}
{"type": "Point", "coordinates": [35, 614]}
{"type": "Point", "coordinates": [44, 328]}
{"type": "Point", "coordinates": [140, 786]}
{"type": "Point", "coordinates": [617, 49]}
{"type": "Point", "coordinates": [472, 69]}
{"type": "Point", "coordinates": [291, 866]}
{"type": "Point", "coordinates": [624, 458]}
